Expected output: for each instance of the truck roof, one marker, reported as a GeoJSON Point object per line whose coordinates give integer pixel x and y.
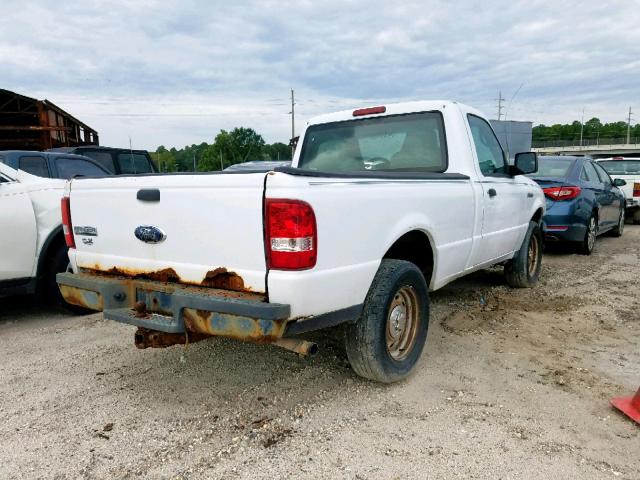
{"type": "Point", "coordinates": [393, 109]}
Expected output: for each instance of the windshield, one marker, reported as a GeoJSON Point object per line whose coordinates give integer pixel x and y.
{"type": "Point", "coordinates": [621, 167]}
{"type": "Point", "coordinates": [553, 167]}
{"type": "Point", "coordinates": [400, 142]}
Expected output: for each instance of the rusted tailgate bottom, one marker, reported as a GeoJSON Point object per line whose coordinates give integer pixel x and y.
{"type": "Point", "coordinates": [175, 308]}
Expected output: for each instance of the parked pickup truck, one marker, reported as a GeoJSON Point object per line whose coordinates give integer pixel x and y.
{"type": "Point", "coordinates": [380, 206]}
{"type": "Point", "coordinates": [627, 169]}
{"type": "Point", "coordinates": [32, 247]}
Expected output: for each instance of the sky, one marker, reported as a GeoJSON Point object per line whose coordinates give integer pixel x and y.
{"type": "Point", "coordinates": [174, 73]}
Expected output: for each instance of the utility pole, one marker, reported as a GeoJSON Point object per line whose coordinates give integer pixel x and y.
{"type": "Point", "coordinates": [293, 120]}
{"type": "Point", "coordinates": [194, 162]}
{"type": "Point", "coordinates": [500, 107]}
{"type": "Point", "coordinates": [581, 126]}
{"type": "Point", "coordinates": [221, 161]}
{"type": "Point", "coordinates": [629, 127]}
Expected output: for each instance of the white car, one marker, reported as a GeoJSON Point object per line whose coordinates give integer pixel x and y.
{"type": "Point", "coordinates": [627, 169]}
{"type": "Point", "coordinates": [265, 256]}
{"type": "Point", "coordinates": [31, 239]}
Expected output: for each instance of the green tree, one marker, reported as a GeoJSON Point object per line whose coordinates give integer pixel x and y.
{"type": "Point", "coordinates": [228, 148]}
{"type": "Point", "coordinates": [277, 151]}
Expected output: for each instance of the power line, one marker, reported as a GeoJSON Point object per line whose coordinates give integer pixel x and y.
{"type": "Point", "coordinates": [500, 107]}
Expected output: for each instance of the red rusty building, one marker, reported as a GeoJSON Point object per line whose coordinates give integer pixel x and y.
{"type": "Point", "coordinates": [30, 124]}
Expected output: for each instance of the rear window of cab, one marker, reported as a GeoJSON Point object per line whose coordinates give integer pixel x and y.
{"type": "Point", "coordinates": [410, 142]}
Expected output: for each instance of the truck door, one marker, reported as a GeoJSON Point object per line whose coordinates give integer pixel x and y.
{"type": "Point", "coordinates": [18, 233]}
{"type": "Point", "coordinates": [504, 197]}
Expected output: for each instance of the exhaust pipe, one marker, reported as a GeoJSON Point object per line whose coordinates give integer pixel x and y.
{"type": "Point", "coordinates": [301, 347]}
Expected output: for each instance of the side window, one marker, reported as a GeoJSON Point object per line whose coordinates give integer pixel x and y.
{"type": "Point", "coordinates": [591, 172]}
{"type": "Point", "coordinates": [604, 176]}
{"type": "Point", "coordinates": [71, 167]}
{"type": "Point", "coordinates": [103, 158]}
{"type": "Point", "coordinates": [35, 165]}
{"type": "Point", "coordinates": [488, 149]}
{"type": "Point", "coordinates": [133, 163]}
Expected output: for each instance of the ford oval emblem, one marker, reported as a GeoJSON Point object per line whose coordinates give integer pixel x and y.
{"type": "Point", "coordinates": [150, 234]}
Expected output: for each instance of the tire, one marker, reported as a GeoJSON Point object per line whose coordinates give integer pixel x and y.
{"type": "Point", "coordinates": [636, 217]}
{"type": "Point", "coordinates": [523, 270]}
{"type": "Point", "coordinates": [585, 247]}
{"type": "Point", "coordinates": [617, 232]}
{"type": "Point", "coordinates": [374, 343]}
{"type": "Point", "coordinates": [57, 263]}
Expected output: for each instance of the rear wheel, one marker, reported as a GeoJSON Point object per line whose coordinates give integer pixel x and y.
{"type": "Point", "coordinates": [523, 270]}
{"type": "Point", "coordinates": [636, 217]}
{"type": "Point", "coordinates": [58, 263]}
{"type": "Point", "coordinates": [617, 232]}
{"type": "Point", "coordinates": [586, 246]}
{"type": "Point", "coordinates": [385, 343]}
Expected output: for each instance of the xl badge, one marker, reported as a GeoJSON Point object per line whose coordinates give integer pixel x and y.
{"type": "Point", "coordinates": [149, 234]}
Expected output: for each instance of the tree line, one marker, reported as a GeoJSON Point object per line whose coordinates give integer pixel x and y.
{"type": "Point", "coordinates": [228, 148]}
{"type": "Point", "coordinates": [594, 131]}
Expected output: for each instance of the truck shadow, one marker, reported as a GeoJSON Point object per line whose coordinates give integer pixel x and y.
{"type": "Point", "coordinates": [27, 308]}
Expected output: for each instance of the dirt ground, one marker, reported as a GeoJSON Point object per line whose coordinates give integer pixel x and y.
{"type": "Point", "coordinates": [512, 384]}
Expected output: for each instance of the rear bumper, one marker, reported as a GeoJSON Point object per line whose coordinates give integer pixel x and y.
{"type": "Point", "coordinates": [561, 232]}
{"type": "Point", "coordinates": [175, 308]}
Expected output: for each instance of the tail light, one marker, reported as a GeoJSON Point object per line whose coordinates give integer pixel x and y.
{"type": "Point", "coordinates": [291, 236]}
{"type": "Point", "coordinates": [561, 193]}
{"type": "Point", "coordinates": [67, 228]}
{"type": "Point", "coordinates": [636, 189]}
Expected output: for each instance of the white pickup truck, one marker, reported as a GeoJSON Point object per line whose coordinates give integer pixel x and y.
{"type": "Point", "coordinates": [380, 206]}
{"type": "Point", "coordinates": [32, 247]}
{"type": "Point", "coordinates": [627, 169]}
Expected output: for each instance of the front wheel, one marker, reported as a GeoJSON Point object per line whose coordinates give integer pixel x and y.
{"type": "Point", "coordinates": [385, 343]}
{"type": "Point", "coordinates": [523, 270]}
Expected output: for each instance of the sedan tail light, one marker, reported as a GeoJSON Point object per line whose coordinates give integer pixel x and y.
{"type": "Point", "coordinates": [561, 193]}
{"type": "Point", "coordinates": [636, 189]}
{"type": "Point", "coordinates": [291, 235]}
{"type": "Point", "coordinates": [67, 228]}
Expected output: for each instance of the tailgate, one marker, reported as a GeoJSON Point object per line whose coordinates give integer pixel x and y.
{"type": "Point", "coordinates": [208, 228]}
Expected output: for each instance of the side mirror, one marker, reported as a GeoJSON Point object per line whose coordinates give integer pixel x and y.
{"type": "Point", "coordinates": [618, 182]}
{"type": "Point", "coordinates": [524, 163]}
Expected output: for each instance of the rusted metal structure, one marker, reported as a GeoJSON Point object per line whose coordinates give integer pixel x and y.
{"type": "Point", "coordinates": [30, 124]}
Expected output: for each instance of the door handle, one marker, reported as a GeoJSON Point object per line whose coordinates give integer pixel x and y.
{"type": "Point", "coordinates": [492, 192]}
{"type": "Point", "coordinates": [148, 195]}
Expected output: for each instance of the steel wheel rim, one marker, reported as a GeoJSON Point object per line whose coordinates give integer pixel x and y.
{"type": "Point", "coordinates": [591, 234]}
{"type": "Point", "coordinates": [532, 255]}
{"type": "Point", "coordinates": [403, 318]}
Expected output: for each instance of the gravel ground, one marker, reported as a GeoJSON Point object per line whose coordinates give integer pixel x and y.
{"type": "Point", "coordinates": [512, 384]}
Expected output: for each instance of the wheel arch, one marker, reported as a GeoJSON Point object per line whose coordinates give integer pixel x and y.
{"type": "Point", "coordinates": [55, 238]}
{"type": "Point", "coordinates": [415, 246]}
{"type": "Point", "coordinates": [537, 216]}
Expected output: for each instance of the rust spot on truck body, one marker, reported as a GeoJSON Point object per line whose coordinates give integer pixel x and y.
{"type": "Point", "coordinates": [218, 277]}
{"type": "Point", "coordinates": [221, 278]}
{"type": "Point", "coordinates": [81, 297]}
{"type": "Point", "coordinates": [233, 326]}
{"type": "Point", "coordinates": [145, 338]}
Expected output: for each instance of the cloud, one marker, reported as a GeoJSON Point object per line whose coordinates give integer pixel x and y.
{"type": "Point", "coordinates": [174, 73]}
